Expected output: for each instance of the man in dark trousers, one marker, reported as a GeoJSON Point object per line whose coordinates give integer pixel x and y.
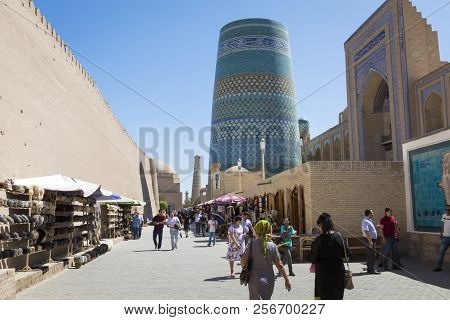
{"type": "Point", "coordinates": [158, 223]}
{"type": "Point", "coordinates": [445, 238]}
{"type": "Point", "coordinates": [370, 238]}
{"type": "Point", "coordinates": [388, 226]}
{"type": "Point", "coordinates": [203, 222]}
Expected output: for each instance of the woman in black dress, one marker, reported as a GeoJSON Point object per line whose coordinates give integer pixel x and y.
{"type": "Point", "coordinates": [327, 253]}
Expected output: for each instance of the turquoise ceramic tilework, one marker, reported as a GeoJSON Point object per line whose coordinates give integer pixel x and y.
{"type": "Point", "coordinates": [254, 97]}
{"type": "Point", "coordinates": [428, 198]}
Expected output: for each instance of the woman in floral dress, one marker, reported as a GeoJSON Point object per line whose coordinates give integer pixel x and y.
{"type": "Point", "coordinates": [236, 243]}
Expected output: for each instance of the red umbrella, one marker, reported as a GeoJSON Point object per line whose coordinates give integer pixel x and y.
{"type": "Point", "coordinates": [229, 199]}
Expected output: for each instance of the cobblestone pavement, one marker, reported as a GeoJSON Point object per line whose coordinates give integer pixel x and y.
{"type": "Point", "coordinates": [133, 270]}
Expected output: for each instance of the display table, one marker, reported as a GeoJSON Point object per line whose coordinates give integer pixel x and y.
{"type": "Point", "coordinates": [300, 244]}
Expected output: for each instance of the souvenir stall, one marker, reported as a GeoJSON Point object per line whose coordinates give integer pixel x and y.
{"type": "Point", "coordinates": [287, 203]}
{"type": "Point", "coordinates": [232, 204]}
{"type": "Point", "coordinates": [116, 216]}
{"type": "Point", "coordinates": [45, 219]}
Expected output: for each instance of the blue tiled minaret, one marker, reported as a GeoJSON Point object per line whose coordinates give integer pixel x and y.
{"type": "Point", "coordinates": [254, 98]}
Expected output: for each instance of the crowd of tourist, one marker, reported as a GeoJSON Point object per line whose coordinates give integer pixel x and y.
{"type": "Point", "coordinates": [256, 246]}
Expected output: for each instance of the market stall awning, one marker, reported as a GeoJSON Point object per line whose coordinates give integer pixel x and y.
{"type": "Point", "coordinates": [105, 195]}
{"type": "Point", "coordinates": [62, 183]}
{"type": "Point", "coordinates": [229, 198]}
{"type": "Point", "coordinates": [122, 200]}
{"type": "Point", "coordinates": [205, 203]}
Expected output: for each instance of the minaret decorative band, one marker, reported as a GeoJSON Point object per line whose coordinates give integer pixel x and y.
{"type": "Point", "coordinates": [254, 98]}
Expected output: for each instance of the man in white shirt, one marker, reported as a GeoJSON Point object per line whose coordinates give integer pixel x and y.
{"type": "Point", "coordinates": [212, 225]}
{"type": "Point", "coordinates": [197, 217]}
{"type": "Point", "coordinates": [173, 223]}
{"type": "Point", "coordinates": [370, 235]}
{"type": "Point", "coordinates": [370, 238]}
{"type": "Point", "coordinates": [445, 238]}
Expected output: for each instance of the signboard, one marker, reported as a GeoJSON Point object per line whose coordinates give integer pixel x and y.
{"type": "Point", "coordinates": [217, 181]}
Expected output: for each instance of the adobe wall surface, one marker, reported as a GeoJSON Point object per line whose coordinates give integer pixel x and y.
{"type": "Point", "coordinates": [422, 54]}
{"type": "Point", "coordinates": [7, 287]}
{"type": "Point", "coordinates": [53, 117]}
{"type": "Point", "coordinates": [229, 182]}
{"type": "Point", "coordinates": [344, 189]}
{"type": "Point", "coordinates": [425, 246]}
{"type": "Point", "coordinates": [169, 189]}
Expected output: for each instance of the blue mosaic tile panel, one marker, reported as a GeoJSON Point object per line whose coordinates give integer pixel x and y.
{"type": "Point", "coordinates": [426, 173]}
{"type": "Point", "coordinates": [370, 45]}
{"type": "Point", "coordinates": [255, 42]}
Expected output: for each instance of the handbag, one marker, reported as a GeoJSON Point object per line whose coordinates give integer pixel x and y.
{"type": "Point", "coordinates": [348, 281]}
{"type": "Point", "coordinates": [244, 277]}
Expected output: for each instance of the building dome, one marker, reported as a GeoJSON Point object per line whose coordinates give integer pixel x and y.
{"type": "Point", "coordinates": [162, 167]}
{"type": "Point", "coordinates": [235, 169]}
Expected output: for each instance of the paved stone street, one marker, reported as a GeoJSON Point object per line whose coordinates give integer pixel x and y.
{"type": "Point", "coordinates": [133, 270]}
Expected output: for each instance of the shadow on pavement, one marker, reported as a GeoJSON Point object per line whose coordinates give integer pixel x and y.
{"type": "Point", "coordinates": [206, 241]}
{"type": "Point", "coordinates": [420, 271]}
{"type": "Point", "coordinates": [221, 279]}
{"type": "Point", "coordinates": [361, 274]}
{"type": "Point", "coordinates": [151, 250]}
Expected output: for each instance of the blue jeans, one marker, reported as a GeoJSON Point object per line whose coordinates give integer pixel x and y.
{"type": "Point", "coordinates": [445, 243]}
{"type": "Point", "coordinates": [157, 235]}
{"type": "Point", "coordinates": [212, 238]}
{"type": "Point", "coordinates": [390, 246]}
{"type": "Point", "coordinates": [173, 237]}
{"type": "Point", "coordinates": [287, 259]}
{"type": "Point", "coordinates": [135, 232]}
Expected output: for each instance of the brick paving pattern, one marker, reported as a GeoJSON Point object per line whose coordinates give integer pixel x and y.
{"type": "Point", "coordinates": [133, 270]}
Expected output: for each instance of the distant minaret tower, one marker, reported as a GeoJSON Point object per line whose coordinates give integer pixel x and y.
{"type": "Point", "coordinates": [196, 181]}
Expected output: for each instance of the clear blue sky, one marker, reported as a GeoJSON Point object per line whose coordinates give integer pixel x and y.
{"type": "Point", "coordinates": [166, 50]}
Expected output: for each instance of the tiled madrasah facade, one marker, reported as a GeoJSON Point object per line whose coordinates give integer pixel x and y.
{"type": "Point", "coordinates": [397, 89]}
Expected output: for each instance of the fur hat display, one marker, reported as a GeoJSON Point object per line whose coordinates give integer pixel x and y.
{"type": "Point", "coordinates": [5, 237]}
{"type": "Point", "coordinates": [8, 184]}
{"type": "Point", "coordinates": [47, 245]}
{"type": "Point", "coordinates": [27, 250]}
{"type": "Point", "coordinates": [37, 206]}
{"type": "Point", "coordinates": [78, 262]}
{"type": "Point", "coordinates": [10, 220]}
{"type": "Point", "coordinates": [3, 219]}
{"type": "Point", "coordinates": [16, 236]}
{"type": "Point", "coordinates": [38, 193]}
{"type": "Point", "coordinates": [18, 188]}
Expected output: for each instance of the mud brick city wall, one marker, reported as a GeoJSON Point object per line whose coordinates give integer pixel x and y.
{"type": "Point", "coordinates": [53, 117]}
{"type": "Point", "coordinates": [7, 287]}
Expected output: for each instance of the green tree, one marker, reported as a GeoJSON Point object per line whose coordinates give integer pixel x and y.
{"type": "Point", "coordinates": [187, 200]}
{"type": "Point", "coordinates": [163, 205]}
